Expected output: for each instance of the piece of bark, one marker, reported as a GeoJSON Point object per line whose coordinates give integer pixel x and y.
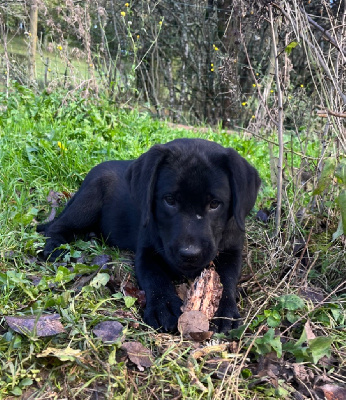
{"type": "Point", "coordinates": [204, 294]}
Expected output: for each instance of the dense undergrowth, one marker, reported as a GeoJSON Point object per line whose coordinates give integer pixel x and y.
{"type": "Point", "coordinates": [292, 295]}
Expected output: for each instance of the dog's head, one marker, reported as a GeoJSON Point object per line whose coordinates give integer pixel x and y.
{"type": "Point", "coordinates": [188, 190]}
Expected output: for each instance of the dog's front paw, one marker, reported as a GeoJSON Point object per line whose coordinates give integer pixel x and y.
{"type": "Point", "coordinates": [226, 318]}
{"type": "Point", "coordinates": [52, 251]}
{"type": "Point", "coordinates": [163, 314]}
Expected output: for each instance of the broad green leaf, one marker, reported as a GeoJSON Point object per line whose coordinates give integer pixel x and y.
{"type": "Point", "coordinates": [112, 357]}
{"type": "Point", "coordinates": [339, 231]}
{"type": "Point", "coordinates": [273, 318]}
{"type": "Point", "coordinates": [85, 269]}
{"type": "Point", "coordinates": [342, 205]}
{"type": "Point", "coordinates": [302, 339]}
{"type": "Point", "coordinates": [326, 176]}
{"type": "Point", "coordinates": [17, 391]}
{"type": "Point", "coordinates": [117, 295]}
{"type": "Point", "coordinates": [291, 302]}
{"type": "Point", "coordinates": [246, 373]}
{"type": "Point", "coordinates": [237, 333]}
{"type": "Point", "coordinates": [290, 47]}
{"type": "Point", "coordinates": [320, 347]}
{"type": "Point", "coordinates": [26, 382]}
{"type": "Point", "coordinates": [268, 343]}
{"type": "Point", "coordinates": [101, 279]}
{"type": "Point", "coordinates": [291, 317]}
{"type": "Point", "coordinates": [340, 171]}
{"type": "Point", "coordinates": [129, 301]}
{"type": "Point", "coordinates": [64, 275]}
{"type": "Point", "coordinates": [298, 349]}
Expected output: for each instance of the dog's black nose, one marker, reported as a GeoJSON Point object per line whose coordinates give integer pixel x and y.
{"type": "Point", "coordinates": [190, 253]}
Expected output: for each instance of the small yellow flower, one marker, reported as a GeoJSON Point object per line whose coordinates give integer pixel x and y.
{"type": "Point", "coordinates": [211, 64]}
{"type": "Point", "coordinates": [254, 84]}
{"type": "Point", "coordinates": [160, 23]}
{"type": "Point", "coordinates": [272, 91]}
{"type": "Point", "coordinates": [123, 13]}
{"type": "Point", "coordinates": [49, 70]}
{"type": "Point", "coordinates": [127, 4]}
{"type": "Point", "coordinates": [91, 65]}
{"type": "Point", "coordinates": [257, 73]}
{"type": "Point", "coordinates": [244, 104]}
{"type": "Point", "coordinates": [137, 36]}
{"type": "Point", "coordinates": [62, 147]}
{"type": "Point", "coordinates": [216, 48]}
{"type": "Point", "coordinates": [253, 117]}
{"type": "Point", "coordinates": [59, 48]}
{"type": "Point", "coordinates": [212, 69]}
{"type": "Point", "coordinates": [301, 85]}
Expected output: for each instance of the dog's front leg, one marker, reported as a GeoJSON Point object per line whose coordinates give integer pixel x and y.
{"type": "Point", "coordinates": [228, 266]}
{"type": "Point", "coordinates": [163, 304]}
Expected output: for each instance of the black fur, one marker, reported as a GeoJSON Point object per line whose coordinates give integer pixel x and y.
{"type": "Point", "coordinates": [178, 206]}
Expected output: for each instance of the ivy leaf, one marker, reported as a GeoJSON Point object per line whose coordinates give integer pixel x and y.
{"type": "Point", "coordinates": [291, 302]}
{"type": "Point", "coordinates": [268, 342]}
{"type": "Point", "coordinates": [320, 347]}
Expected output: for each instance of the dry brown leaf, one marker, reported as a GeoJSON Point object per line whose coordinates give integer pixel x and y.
{"type": "Point", "coordinates": [301, 373]}
{"type": "Point", "coordinates": [334, 392]}
{"type": "Point", "coordinates": [193, 321]}
{"type": "Point", "coordinates": [312, 294]}
{"type": "Point", "coordinates": [138, 354]}
{"type": "Point", "coordinates": [132, 290]}
{"type": "Point", "coordinates": [108, 331]}
{"type": "Point", "coordinates": [201, 336]}
{"type": "Point", "coordinates": [67, 354]}
{"type": "Point", "coordinates": [309, 334]}
{"type": "Point", "coordinates": [44, 325]}
{"type": "Point", "coordinates": [101, 260]}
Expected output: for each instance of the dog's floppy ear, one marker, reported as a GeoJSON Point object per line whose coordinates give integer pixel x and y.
{"type": "Point", "coordinates": [142, 176]}
{"type": "Point", "coordinates": [245, 182]}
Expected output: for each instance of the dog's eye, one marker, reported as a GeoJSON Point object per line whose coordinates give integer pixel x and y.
{"type": "Point", "coordinates": [214, 204]}
{"type": "Point", "coordinates": [170, 200]}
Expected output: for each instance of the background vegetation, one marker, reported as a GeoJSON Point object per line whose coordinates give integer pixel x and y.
{"type": "Point", "coordinates": [107, 80]}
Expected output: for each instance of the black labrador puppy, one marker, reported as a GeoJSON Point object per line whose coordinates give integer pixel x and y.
{"type": "Point", "coordinates": [178, 206]}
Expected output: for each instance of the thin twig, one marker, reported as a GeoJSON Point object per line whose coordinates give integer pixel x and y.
{"type": "Point", "coordinates": [279, 127]}
{"type": "Point", "coordinates": [324, 32]}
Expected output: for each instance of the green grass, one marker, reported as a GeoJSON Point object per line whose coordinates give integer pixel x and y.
{"type": "Point", "coordinates": [50, 142]}
{"type": "Point", "coordinates": [58, 65]}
